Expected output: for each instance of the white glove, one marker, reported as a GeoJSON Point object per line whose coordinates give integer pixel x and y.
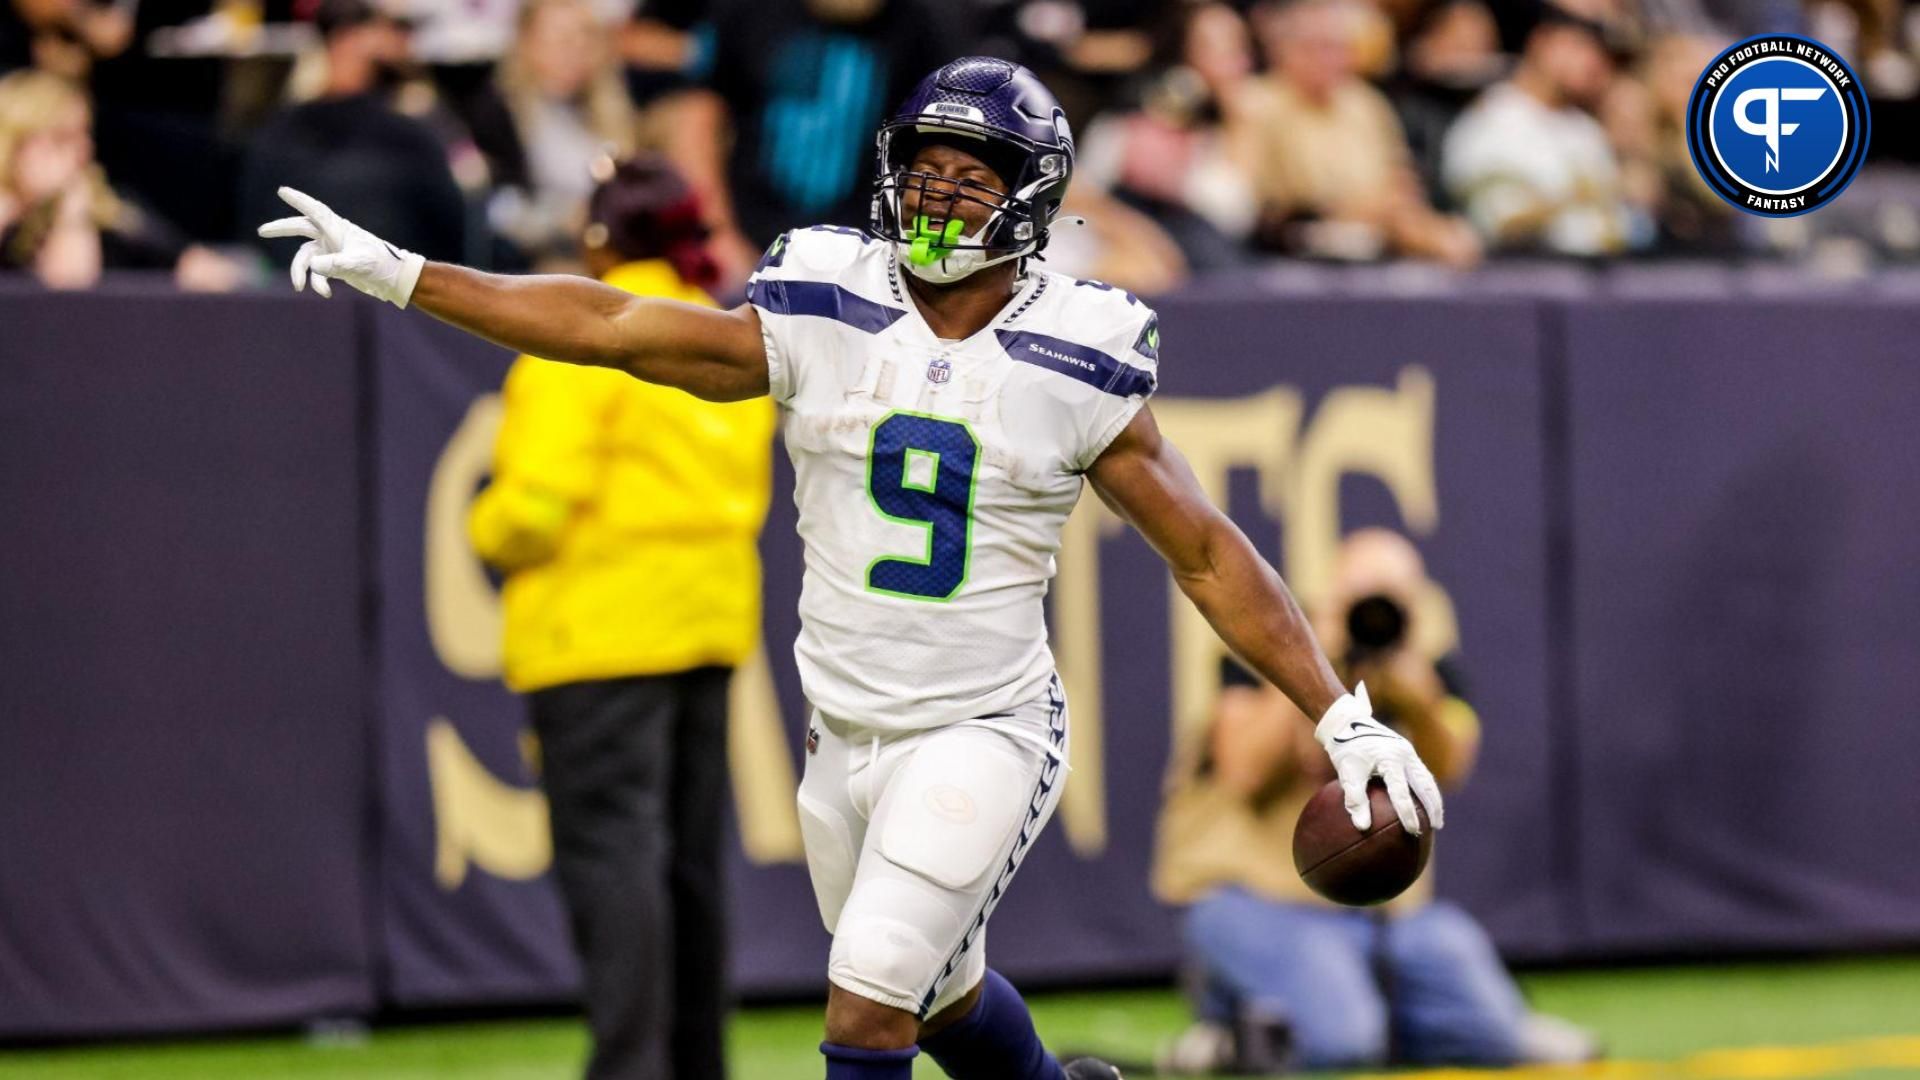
{"type": "Point", "coordinates": [337, 248]}
{"type": "Point", "coordinates": [1362, 747]}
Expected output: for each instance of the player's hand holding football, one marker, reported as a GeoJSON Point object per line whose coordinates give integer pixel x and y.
{"type": "Point", "coordinates": [1362, 748]}
{"type": "Point", "coordinates": [338, 249]}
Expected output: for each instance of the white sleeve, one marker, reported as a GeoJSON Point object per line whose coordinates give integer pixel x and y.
{"type": "Point", "coordinates": [1134, 379]}
{"type": "Point", "coordinates": [810, 281]}
{"type": "Point", "coordinates": [774, 326]}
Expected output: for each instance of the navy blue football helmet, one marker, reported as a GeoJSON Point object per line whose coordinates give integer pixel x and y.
{"type": "Point", "coordinates": [1002, 114]}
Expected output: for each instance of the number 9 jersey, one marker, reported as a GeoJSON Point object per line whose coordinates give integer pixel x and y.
{"type": "Point", "coordinates": [933, 477]}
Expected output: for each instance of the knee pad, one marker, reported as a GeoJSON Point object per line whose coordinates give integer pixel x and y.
{"type": "Point", "coordinates": [885, 958]}
{"type": "Point", "coordinates": [905, 941]}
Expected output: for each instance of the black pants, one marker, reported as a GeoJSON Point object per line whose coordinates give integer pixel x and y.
{"type": "Point", "coordinates": [636, 772]}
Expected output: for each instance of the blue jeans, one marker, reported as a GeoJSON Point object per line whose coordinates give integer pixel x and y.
{"type": "Point", "coordinates": [1355, 988]}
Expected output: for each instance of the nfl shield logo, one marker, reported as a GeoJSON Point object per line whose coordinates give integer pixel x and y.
{"type": "Point", "coordinates": [939, 371]}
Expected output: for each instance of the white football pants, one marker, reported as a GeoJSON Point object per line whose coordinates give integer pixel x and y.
{"type": "Point", "coordinates": [912, 837]}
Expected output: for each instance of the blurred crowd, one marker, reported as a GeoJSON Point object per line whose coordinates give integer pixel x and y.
{"type": "Point", "coordinates": [1213, 134]}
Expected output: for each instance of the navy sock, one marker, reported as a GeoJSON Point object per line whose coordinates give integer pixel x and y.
{"type": "Point", "coordinates": [995, 1041]}
{"type": "Point", "coordinates": [853, 1063]}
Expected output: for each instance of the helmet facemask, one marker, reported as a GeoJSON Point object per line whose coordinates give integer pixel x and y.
{"type": "Point", "coordinates": [931, 242]}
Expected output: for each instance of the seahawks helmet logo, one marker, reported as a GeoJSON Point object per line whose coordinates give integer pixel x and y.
{"type": "Point", "coordinates": [776, 253]}
{"type": "Point", "coordinates": [1149, 343]}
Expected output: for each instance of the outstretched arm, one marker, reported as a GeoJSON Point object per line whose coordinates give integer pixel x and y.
{"type": "Point", "coordinates": [711, 354]}
{"type": "Point", "coordinates": [1146, 481]}
{"type": "Point", "coordinates": [717, 355]}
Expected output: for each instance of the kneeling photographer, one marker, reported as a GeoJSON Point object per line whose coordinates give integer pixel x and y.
{"type": "Point", "coordinates": [1281, 977]}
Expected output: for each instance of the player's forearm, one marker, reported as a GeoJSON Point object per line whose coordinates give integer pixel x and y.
{"type": "Point", "coordinates": [1255, 614]}
{"type": "Point", "coordinates": [571, 319]}
{"type": "Point", "coordinates": [711, 354]}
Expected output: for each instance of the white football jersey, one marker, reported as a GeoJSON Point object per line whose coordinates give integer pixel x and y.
{"type": "Point", "coordinates": [933, 477]}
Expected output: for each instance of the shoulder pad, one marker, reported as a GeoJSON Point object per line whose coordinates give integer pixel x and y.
{"type": "Point", "coordinates": [1108, 317]}
{"type": "Point", "coordinates": [1091, 332]}
{"type": "Point", "coordinates": [816, 252]}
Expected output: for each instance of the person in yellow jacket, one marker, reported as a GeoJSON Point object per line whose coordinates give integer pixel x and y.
{"type": "Point", "coordinates": [625, 517]}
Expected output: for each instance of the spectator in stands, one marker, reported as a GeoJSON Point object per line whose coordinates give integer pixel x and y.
{"type": "Point", "coordinates": [59, 218]}
{"type": "Point", "coordinates": [1873, 33]}
{"type": "Point", "coordinates": [660, 45]}
{"type": "Point", "coordinates": [1645, 119]}
{"type": "Point", "coordinates": [1184, 157]}
{"type": "Point", "coordinates": [1089, 51]}
{"type": "Point", "coordinates": [1116, 244]}
{"type": "Point", "coordinates": [1282, 972]}
{"type": "Point", "coordinates": [351, 147]}
{"type": "Point", "coordinates": [801, 85]}
{"type": "Point", "coordinates": [463, 32]}
{"type": "Point", "coordinates": [1451, 54]}
{"type": "Point", "coordinates": [1335, 176]}
{"type": "Point", "coordinates": [64, 37]}
{"type": "Point", "coordinates": [625, 516]}
{"type": "Point", "coordinates": [1518, 18]}
{"type": "Point", "coordinates": [558, 104]}
{"type": "Point", "coordinates": [1733, 19]}
{"type": "Point", "coordinates": [1530, 165]}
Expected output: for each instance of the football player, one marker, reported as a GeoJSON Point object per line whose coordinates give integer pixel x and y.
{"type": "Point", "coordinates": [943, 399]}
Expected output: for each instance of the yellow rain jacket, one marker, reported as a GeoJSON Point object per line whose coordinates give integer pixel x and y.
{"type": "Point", "coordinates": [625, 516]}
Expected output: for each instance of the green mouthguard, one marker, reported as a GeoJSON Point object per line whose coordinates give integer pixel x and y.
{"type": "Point", "coordinates": [930, 245]}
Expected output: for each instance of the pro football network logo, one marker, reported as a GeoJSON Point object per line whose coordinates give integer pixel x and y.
{"type": "Point", "coordinates": [1778, 125]}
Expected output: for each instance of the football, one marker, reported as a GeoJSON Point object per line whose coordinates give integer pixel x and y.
{"type": "Point", "coordinates": [1350, 867]}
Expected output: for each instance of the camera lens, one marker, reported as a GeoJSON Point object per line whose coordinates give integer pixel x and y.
{"type": "Point", "coordinates": [1376, 623]}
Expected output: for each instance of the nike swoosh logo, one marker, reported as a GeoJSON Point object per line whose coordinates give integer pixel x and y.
{"type": "Point", "coordinates": [1363, 728]}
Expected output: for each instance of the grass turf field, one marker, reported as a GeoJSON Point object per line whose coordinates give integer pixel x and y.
{"type": "Point", "coordinates": [1830, 1020]}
